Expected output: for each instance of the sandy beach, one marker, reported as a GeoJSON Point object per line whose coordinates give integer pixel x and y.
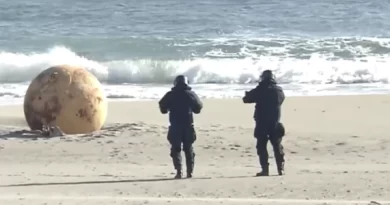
{"type": "Point", "coordinates": [337, 152]}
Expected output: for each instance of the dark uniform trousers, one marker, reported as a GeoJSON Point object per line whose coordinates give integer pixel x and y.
{"type": "Point", "coordinates": [269, 131]}
{"type": "Point", "coordinates": [185, 135]}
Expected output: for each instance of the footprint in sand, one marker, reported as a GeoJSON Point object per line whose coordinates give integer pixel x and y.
{"type": "Point", "coordinates": [341, 143]}
{"type": "Point", "coordinates": [355, 136]}
{"type": "Point", "coordinates": [207, 147]}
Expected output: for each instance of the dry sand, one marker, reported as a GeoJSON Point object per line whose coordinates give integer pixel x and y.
{"type": "Point", "coordinates": [337, 152]}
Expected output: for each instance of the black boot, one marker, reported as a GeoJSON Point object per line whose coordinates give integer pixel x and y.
{"type": "Point", "coordinates": [189, 172]}
{"type": "Point", "coordinates": [264, 164]}
{"type": "Point", "coordinates": [279, 159]}
{"type": "Point", "coordinates": [189, 175]}
{"type": "Point", "coordinates": [264, 172]}
{"type": "Point", "coordinates": [280, 166]}
{"type": "Point", "coordinates": [190, 163]}
{"type": "Point", "coordinates": [178, 174]}
{"type": "Point", "coordinates": [176, 159]}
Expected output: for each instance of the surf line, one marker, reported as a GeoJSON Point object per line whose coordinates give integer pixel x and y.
{"type": "Point", "coordinates": [190, 199]}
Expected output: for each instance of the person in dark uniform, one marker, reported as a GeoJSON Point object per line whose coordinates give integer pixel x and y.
{"type": "Point", "coordinates": [268, 97]}
{"type": "Point", "coordinates": [181, 102]}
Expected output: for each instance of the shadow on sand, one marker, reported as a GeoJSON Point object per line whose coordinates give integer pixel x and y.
{"type": "Point", "coordinates": [100, 182]}
{"type": "Point", "coordinates": [126, 181]}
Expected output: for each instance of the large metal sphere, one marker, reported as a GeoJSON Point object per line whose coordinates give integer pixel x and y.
{"type": "Point", "coordinates": [68, 97]}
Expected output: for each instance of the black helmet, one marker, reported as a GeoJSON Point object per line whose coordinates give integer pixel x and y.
{"type": "Point", "coordinates": [266, 75]}
{"type": "Point", "coordinates": [180, 80]}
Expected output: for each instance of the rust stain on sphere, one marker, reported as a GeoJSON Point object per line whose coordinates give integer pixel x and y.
{"type": "Point", "coordinates": [68, 97]}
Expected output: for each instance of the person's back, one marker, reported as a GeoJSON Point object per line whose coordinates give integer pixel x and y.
{"type": "Point", "coordinates": [182, 105]}
{"type": "Point", "coordinates": [268, 97]}
{"type": "Point", "coordinates": [269, 101]}
{"type": "Point", "coordinates": [181, 102]}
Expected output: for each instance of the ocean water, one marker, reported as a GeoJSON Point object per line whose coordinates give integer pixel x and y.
{"type": "Point", "coordinates": [136, 48]}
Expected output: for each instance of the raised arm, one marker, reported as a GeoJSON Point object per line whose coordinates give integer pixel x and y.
{"type": "Point", "coordinates": [196, 103]}
{"type": "Point", "coordinates": [165, 102]}
{"type": "Point", "coordinates": [250, 96]}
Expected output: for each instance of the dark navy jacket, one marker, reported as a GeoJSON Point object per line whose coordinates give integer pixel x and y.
{"type": "Point", "coordinates": [268, 97]}
{"type": "Point", "coordinates": [180, 102]}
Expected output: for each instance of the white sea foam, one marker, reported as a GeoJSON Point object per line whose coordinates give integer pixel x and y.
{"type": "Point", "coordinates": [212, 77]}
